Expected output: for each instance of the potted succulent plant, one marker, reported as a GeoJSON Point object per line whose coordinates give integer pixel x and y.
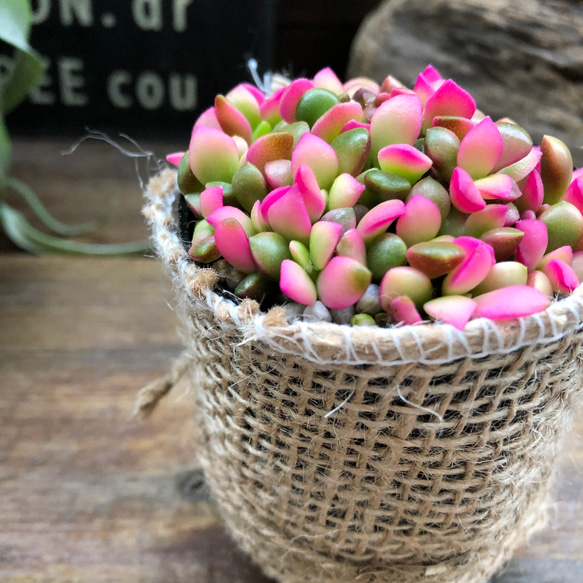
{"type": "Point", "coordinates": [380, 292]}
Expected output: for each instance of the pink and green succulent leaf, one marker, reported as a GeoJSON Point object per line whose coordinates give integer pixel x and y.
{"type": "Point", "coordinates": [561, 275]}
{"type": "Point", "coordinates": [210, 200]}
{"type": "Point", "coordinates": [289, 217]}
{"type": "Point", "coordinates": [532, 193]}
{"type": "Point", "coordinates": [208, 119]}
{"type": "Point", "coordinates": [541, 282]}
{"type": "Point", "coordinates": [278, 173]}
{"type": "Point", "coordinates": [504, 241]}
{"type": "Point", "coordinates": [403, 311]}
{"type": "Point", "coordinates": [421, 221]}
{"type": "Point", "coordinates": [319, 156]}
{"type": "Point", "coordinates": [310, 190]}
{"type": "Point", "coordinates": [556, 168]}
{"type": "Point", "coordinates": [249, 186]}
{"type": "Point", "coordinates": [351, 244]}
{"type": "Point", "coordinates": [384, 186]}
{"type": "Point", "coordinates": [442, 145]}
{"type": "Point", "coordinates": [503, 274]}
{"type": "Point", "coordinates": [314, 103]}
{"type": "Point", "coordinates": [465, 195]}
{"type": "Point", "coordinates": [511, 302]}
{"type": "Point", "coordinates": [246, 102]}
{"type": "Point", "coordinates": [473, 270]}
{"type": "Point", "coordinates": [574, 193]}
{"type": "Point", "coordinates": [297, 130]}
{"type": "Point", "coordinates": [460, 126]}
{"type": "Point", "coordinates": [512, 215]}
{"type": "Point", "coordinates": [329, 126]}
{"type": "Point", "coordinates": [577, 264]}
{"type": "Point", "coordinates": [378, 219]}
{"type": "Point", "coordinates": [202, 229]}
{"type": "Point", "coordinates": [271, 198]}
{"type": "Point", "coordinates": [481, 149]}
{"type": "Point", "coordinates": [300, 254]}
{"type": "Point", "coordinates": [498, 187]}
{"type": "Point", "coordinates": [355, 125]}
{"type": "Point", "coordinates": [213, 155]}
{"type": "Point", "coordinates": [352, 148]}
{"type": "Point", "coordinates": [257, 218]}
{"type": "Point", "coordinates": [175, 158]}
{"type": "Point", "coordinates": [254, 286]}
{"type": "Point", "coordinates": [225, 212]}
{"type": "Point", "coordinates": [564, 253]}
{"type": "Point", "coordinates": [269, 250]}
{"type": "Point", "coordinates": [533, 245]}
{"type": "Point", "coordinates": [362, 320]}
{"type": "Point", "coordinates": [261, 129]}
{"type": "Point", "coordinates": [435, 258]}
{"type": "Point", "coordinates": [405, 160]}
{"type": "Point", "coordinates": [323, 240]}
{"type": "Point", "coordinates": [454, 310]}
{"type": "Point", "coordinates": [564, 224]}
{"type": "Point", "coordinates": [242, 147]}
{"type": "Point", "coordinates": [345, 217]}
{"type": "Point", "coordinates": [397, 121]}
{"type": "Point", "coordinates": [492, 216]}
{"type": "Point", "coordinates": [521, 169]}
{"type": "Point", "coordinates": [516, 144]}
{"type": "Point", "coordinates": [231, 120]}
{"type": "Point", "coordinates": [353, 85]}
{"type": "Point", "coordinates": [454, 224]}
{"type": "Point", "coordinates": [405, 281]}
{"type": "Point", "coordinates": [433, 76]}
{"type": "Point", "coordinates": [342, 282]}
{"type": "Point", "coordinates": [432, 190]}
{"type": "Point", "coordinates": [291, 96]}
{"type": "Point", "coordinates": [344, 192]}
{"type": "Point", "coordinates": [389, 83]}
{"type": "Point", "coordinates": [204, 250]}
{"type": "Point", "coordinates": [423, 89]}
{"type": "Point", "coordinates": [448, 99]}
{"type": "Point", "coordinates": [233, 244]}
{"type": "Point", "coordinates": [327, 79]}
{"type": "Point", "coordinates": [385, 252]}
{"type": "Point", "coordinates": [270, 108]}
{"type": "Point", "coordinates": [276, 146]}
{"type": "Point", "coordinates": [255, 91]}
{"type": "Point", "coordinates": [193, 203]}
{"type": "Point", "coordinates": [527, 214]}
{"type": "Point", "coordinates": [295, 283]}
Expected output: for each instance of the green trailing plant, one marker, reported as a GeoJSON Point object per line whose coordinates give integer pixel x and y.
{"type": "Point", "coordinates": [26, 71]}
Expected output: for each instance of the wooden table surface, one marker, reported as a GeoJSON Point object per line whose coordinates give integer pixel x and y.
{"type": "Point", "coordinates": [88, 494]}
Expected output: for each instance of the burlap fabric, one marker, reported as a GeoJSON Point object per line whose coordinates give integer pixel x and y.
{"type": "Point", "coordinates": [337, 454]}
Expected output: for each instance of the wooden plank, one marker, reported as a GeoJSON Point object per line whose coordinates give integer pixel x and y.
{"type": "Point", "coordinates": [90, 495]}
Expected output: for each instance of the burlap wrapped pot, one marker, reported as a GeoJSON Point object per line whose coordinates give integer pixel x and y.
{"type": "Point", "coordinates": [338, 454]}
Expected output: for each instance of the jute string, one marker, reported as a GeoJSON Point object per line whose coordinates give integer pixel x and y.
{"type": "Point", "coordinates": [415, 454]}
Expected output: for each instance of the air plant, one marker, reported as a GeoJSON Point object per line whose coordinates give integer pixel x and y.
{"type": "Point", "coordinates": [23, 75]}
{"type": "Point", "coordinates": [379, 205]}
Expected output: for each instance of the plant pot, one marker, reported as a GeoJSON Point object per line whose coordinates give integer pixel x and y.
{"type": "Point", "coordinates": [339, 454]}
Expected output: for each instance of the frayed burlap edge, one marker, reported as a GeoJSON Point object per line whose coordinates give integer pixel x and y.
{"type": "Point", "coordinates": [324, 342]}
{"type": "Point", "coordinates": [234, 349]}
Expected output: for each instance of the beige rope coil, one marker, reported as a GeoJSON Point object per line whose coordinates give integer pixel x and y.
{"type": "Point", "coordinates": [338, 454]}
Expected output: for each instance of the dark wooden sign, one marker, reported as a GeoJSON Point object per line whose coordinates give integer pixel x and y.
{"type": "Point", "coordinates": [144, 67]}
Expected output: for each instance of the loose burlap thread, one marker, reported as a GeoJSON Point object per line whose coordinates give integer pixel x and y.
{"type": "Point", "coordinates": [338, 454]}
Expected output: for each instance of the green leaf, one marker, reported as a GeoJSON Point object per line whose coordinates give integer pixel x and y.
{"type": "Point", "coordinates": [25, 236]}
{"type": "Point", "coordinates": [47, 219]}
{"type": "Point", "coordinates": [15, 17]}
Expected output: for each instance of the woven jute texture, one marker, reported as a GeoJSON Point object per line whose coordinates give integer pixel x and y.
{"type": "Point", "coordinates": [338, 454]}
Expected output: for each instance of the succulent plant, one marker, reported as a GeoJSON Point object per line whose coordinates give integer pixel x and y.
{"type": "Point", "coordinates": [378, 205]}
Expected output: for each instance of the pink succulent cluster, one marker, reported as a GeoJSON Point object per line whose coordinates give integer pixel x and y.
{"type": "Point", "coordinates": [381, 202]}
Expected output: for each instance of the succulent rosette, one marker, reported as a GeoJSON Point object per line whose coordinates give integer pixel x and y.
{"type": "Point", "coordinates": [381, 205]}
